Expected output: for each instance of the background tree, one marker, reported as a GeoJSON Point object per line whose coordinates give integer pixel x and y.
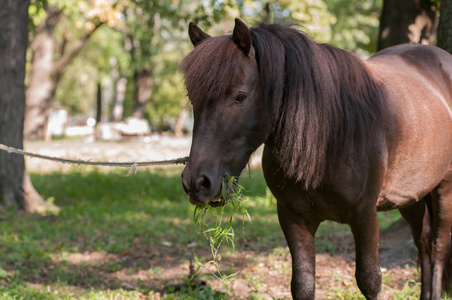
{"type": "Point", "coordinates": [407, 21]}
{"type": "Point", "coordinates": [147, 45]}
{"type": "Point", "coordinates": [155, 36]}
{"type": "Point", "coordinates": [152, 30]}
{"type": "Point", "coordinates": [138, 60]}
{"type": "Point", "coordinates": [348, 24]}
{"type": "Point", "coordinates": [445, 26]}
{"type": "Point", "coordinates": [13, 41]}
{"type": "Point", "coordinates": [354, 25]}
{"type": "Point", "coordinates": [50, 57]}
{"type": "Point", "coordinates": [15, 185]}
{"type": "Point", "coordinates": [103, 61]}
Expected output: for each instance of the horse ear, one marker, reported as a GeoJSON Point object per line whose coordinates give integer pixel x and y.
{"type": "Point", "coordinates": [196, 34]}
{"type": "Point", "coordinates": [242, 36]}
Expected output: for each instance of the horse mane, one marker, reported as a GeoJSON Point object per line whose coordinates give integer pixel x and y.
{"type": "Point", "coordinates": [209, 69]}
{"type": "Point", "coordinates": [323, 99]}
{"type": "Point", "coordinates": [326, 100]}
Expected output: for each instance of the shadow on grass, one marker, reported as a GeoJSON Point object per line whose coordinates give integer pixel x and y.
{"type": "Point", "coordinates": [131, 233]}
{"type": "Point", "coordinates": [113, 231]}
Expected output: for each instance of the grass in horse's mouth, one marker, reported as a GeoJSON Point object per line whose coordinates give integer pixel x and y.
{"type": "Point", "coordinates": [218, 200]}
{"type": "Point", "coordinates": [223, 215]}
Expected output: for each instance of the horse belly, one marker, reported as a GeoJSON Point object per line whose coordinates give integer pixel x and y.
{"type": "Point", "coordinates": [410, 179]}
{"type": "Point", "coordinates": [420, 153]}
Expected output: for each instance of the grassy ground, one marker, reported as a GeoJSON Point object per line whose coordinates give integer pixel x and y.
{"type": "Point", "coordinates": [119, 237]}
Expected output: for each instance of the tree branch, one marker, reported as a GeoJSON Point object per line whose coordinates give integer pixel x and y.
{"type": "Point", "coordinates": [66, 59]}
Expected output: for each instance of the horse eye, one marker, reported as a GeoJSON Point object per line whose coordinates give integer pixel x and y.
{"type": "Point", "coordinates": [240, 98]}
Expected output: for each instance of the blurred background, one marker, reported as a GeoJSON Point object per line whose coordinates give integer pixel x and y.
{"type": "Point", "coordinates": [107, 69]}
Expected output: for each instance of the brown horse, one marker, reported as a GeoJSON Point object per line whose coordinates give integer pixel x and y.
{"type": "Point", "coordinates": [343, 138]}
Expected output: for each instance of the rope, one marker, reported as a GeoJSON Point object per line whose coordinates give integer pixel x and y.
{"type": "Point", "coordinates": [132, 165]}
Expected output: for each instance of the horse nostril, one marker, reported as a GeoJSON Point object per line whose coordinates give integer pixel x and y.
{"type": "Point", "coordinates": [204, 183]}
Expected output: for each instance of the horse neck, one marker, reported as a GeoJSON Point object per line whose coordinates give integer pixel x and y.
{"type": "Point", "coordinates": [330, 103]}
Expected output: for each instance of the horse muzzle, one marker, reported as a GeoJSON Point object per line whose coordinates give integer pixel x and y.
{"type": "Point", "coordinates": [202, 189]}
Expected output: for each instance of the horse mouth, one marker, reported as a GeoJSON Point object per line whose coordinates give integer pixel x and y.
{"type": "Point", "coordinates": [218, 200]}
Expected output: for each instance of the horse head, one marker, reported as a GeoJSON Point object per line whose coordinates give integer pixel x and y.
{"type": "Point", "coordinates": [231, 118]}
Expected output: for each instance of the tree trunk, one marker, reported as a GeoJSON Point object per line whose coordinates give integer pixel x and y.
{"type": "Point", "coordinates": [15, 185]}
{"type": "Point", "coordinates": [266, 13]}
{"type": "Point", "coordinates": [119, 94]}
{"type": "Point", "coordinates": [41, 86]}
{"type": "Point", "coordinates": [445, 26]}
{"type": "Point", "coordinates": [33, 201]}
{"type": "Point", "coordinates": [181, 117]}
{"type": "Point", "coordinates": [13, 45]}
{"type": "Point", "coordinates": [99, 103]}
{"type": "Point", "coordinates": [118, 100]}
{"type": "Point", "coordinates": [406, 21]}
{"type": "Point", "coordinates": [143, 89]}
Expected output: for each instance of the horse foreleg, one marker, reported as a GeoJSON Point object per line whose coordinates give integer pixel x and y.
{"type": "Point", "coordinates": [299, 234]}
{"type": "Point", "coordinates": [418, 217]}
{"type": "Point", "coordinates": [365, 232]}
{"type": "Point", "coordinates": [442, 221]}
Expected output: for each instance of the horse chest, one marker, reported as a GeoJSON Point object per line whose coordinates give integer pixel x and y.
{"type": "Point", "coordinates": [325, 204]}
{"type": "Point", "coordinates": [335, 202]}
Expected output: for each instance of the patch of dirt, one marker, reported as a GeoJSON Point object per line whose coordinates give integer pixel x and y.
{"type": "Point", "coordinates": [265, 274]}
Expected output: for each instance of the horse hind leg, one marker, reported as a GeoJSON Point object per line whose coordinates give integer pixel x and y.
{"type": "Point", "coordinates": [441, 236]}
{"type": "Point", "coordinates": [419, 218]}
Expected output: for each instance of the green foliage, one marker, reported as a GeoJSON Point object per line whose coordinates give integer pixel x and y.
{"type": "Point", "coordinates": [168, 93]}
{"type": "Point", "coordinates": [355, 25]}
{"type": "Point", "coordinates": [152, 35]}
{"type": "Point", "coordinates": [223, 230]}
{"type": "Point", "coordinates": [36, 14]}
{"type": "Point", "coordinates": [37, 11]}
{"type": "Point", "coordinates": [157, 38]}
{"type": "Point", "coordinates": [94, 65]}
{"type": "Point", "coordinates": [347, 24]}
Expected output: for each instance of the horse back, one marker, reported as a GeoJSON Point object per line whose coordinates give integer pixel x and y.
{"type": "Point", "coordinates": [430, 63]}
{"type": "Point", "coordinates": [417, 82]}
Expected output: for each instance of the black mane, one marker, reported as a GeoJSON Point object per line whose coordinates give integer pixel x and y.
{"type": "Point", "coordinates": [325, 98]}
